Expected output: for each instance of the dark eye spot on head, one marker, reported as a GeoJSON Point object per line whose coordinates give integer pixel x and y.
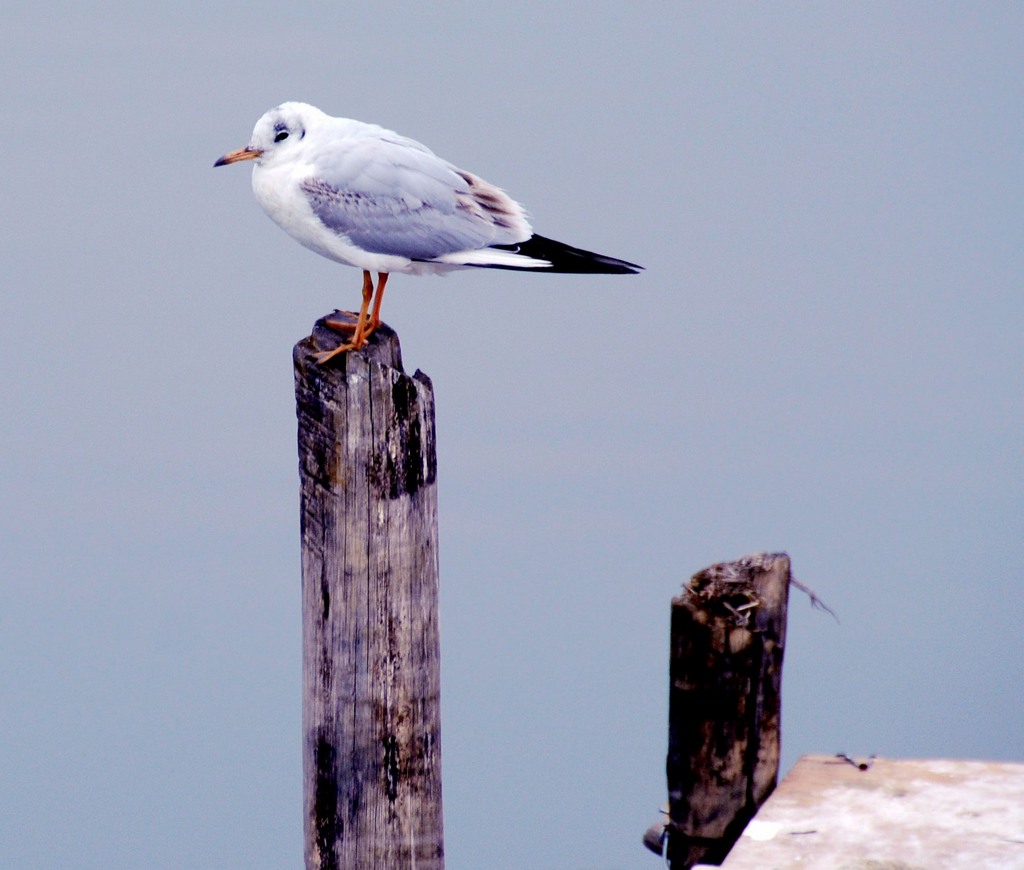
{"type": "Point", "coordinates": [287, 129]}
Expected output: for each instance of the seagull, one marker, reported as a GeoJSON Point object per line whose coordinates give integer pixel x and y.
{"type": "Point", "coordinates": [365, 196]}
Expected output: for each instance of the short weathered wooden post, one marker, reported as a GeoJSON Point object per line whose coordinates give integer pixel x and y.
{"type": "Point", "coordinates": [371, 649]}
{"type": "Point", "coordinates": [725, 670]}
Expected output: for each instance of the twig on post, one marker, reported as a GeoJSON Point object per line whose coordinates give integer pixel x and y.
{"type": "Point", "coordinates": [816, 602]}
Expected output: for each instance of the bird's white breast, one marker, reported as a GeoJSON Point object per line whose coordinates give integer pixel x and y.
{"type": "Point", "coordinates": [278, 191]}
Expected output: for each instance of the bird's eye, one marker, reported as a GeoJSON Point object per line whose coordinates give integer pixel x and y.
{"type": "Point", "coordinates": [281, 136]}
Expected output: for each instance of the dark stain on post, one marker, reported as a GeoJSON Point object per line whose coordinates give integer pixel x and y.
{"type": "Point", "coordinates": [325, 599]}
{"type": "Point", "coordinates": [408, 476]}
{"type": "Point", "coordinates": [328, 826]}
{"type": "Point", "coordinates": [392, 766]}
{"type": "Point", "coordinates": [408, 461]}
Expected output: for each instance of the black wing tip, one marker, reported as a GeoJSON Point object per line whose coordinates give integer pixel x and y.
{"type": "Point", "coordinates": [565, 258]}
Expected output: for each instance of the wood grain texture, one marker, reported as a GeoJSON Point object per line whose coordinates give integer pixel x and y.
{"type": "Point", "coordinates": [371, 647]}
{"type": "Point", "coordinates": [728, 636]}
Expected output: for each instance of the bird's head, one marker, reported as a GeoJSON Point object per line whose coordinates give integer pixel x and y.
{"type": "Point", "coordinates": [276, 135]}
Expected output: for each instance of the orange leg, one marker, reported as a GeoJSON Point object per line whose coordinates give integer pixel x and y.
{"type": "Point", "coordinates": [342, 326]}
{"type": "Point", "coordinates": [382, 280]}
{"type": "Point", "coordinates": [365, 323]}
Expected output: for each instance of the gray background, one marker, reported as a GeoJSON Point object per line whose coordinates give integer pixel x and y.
{"type": "Point", "coordinates": [824, 356]}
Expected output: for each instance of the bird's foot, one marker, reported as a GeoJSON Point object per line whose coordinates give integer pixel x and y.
{"type": "Point", "coordinates": [325, 356]}
{"type": "Point", "coordinates": [358, 341]}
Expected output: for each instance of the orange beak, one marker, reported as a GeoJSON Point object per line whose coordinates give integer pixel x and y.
{"type": "Point", "coordinates": [245, 153]}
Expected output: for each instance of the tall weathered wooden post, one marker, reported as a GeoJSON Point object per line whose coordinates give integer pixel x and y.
{"type": "Point", "coordinates": [371, 649]}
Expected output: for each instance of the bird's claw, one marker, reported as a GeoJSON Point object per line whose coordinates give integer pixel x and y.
{"type": "Point", "coordinates": [325, 356]}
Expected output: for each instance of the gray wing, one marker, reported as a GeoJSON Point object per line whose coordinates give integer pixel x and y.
{"type": "Point", "coordinates": [391, 195]}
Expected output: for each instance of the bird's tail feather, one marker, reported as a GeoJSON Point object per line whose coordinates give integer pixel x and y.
{"type": "Point", "coordinates": [538, 254]}
{"type": "Point", "coordinates": [547, 255]}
